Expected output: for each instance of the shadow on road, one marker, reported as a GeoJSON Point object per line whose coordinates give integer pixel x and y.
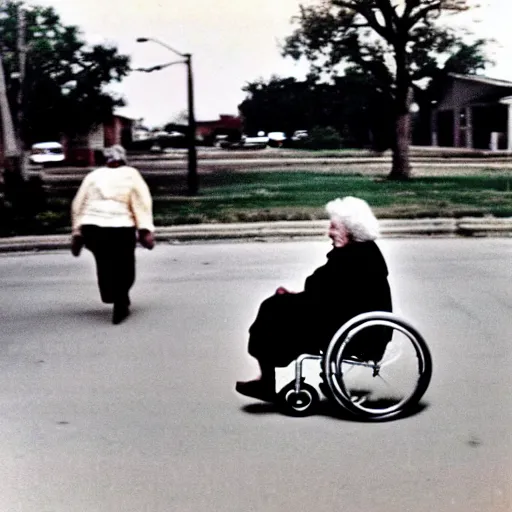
{"type": "Point", "coordinates": [328, 409]}
{"type": "Point", "coordinates": [101, 314]}
{"type": "Point", "coordinates": [96, 315]}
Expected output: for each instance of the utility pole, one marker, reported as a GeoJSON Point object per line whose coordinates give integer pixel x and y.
{"type": "Point", "coordinates": [9, 136]}
{"type": "Point", "coordinates": [22, 60]}
{"type": "Point", "coordinates": [10, 147]}
{"type": "Point", "coordinates": [12, 175]}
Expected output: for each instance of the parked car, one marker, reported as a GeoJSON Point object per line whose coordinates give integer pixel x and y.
{"type": "Point", "coordinates": [276, 139]}
{"type": "Point", "coordinates": [230, 144]}
{"type": "Point", "coordinates": [47, 153]}
{"type": "Point", "coordinates": [218, 140]}
{"type": "Point", "coordinates": [259, 141]}
{"type": "Point", "coordinates": [299, 135]}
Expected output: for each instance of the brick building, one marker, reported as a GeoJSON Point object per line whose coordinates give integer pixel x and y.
{"type": "Point", "coordinates": [83, 150]}
{"type": "Point", "coordinates": [225, 125]}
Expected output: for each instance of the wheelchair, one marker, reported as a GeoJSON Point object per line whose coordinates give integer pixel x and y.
{"type": "Point", "coordinates": [371, 377]}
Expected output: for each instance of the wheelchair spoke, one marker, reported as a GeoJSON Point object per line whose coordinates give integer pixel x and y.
{"type": "Point", "coordinates": [385, 381]}
{"type": "Point", "coordinates": [393, 359]}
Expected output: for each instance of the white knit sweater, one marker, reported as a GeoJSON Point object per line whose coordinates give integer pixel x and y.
{"type": "Point", "coordinates": [113, 197]}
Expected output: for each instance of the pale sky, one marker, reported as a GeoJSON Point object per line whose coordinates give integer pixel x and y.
{"type": "Point", "coordinates": [232, 42]}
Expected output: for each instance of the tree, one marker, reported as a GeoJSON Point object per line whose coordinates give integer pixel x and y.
{"type": "Point", "coordinates": [349, 105]}
{"type": "Point", "coordinates": [55, 85]}
{"type": "Point", "coordinates": [286, 104]}
{"type": "Point", "coordinates": [63, 89]}
{"type": "Point", "coordinates": [394, 43]}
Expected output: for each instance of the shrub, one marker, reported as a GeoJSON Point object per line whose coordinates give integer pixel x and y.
{"type": "Point", "coordinates": [322, 137]}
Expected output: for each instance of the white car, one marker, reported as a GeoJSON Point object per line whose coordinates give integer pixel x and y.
{"type": "Point", "coordinates": [300, 135]}
{"type": "Point", "coordinates": [47, 153]}
{"type": "Point", "coordinates": [276, 139]}
{"type": "Point", "coordinates": [259, 141]}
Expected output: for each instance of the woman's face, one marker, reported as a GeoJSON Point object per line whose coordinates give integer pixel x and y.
{"type": "Point", "coordinates": [338, 233]}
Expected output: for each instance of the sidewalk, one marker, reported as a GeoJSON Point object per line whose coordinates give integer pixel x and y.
{"type": "Point", "coordinates": [285, 230]}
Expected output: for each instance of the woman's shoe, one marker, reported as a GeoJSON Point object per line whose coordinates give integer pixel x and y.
{"type": "Point", "coordinates": [257, 389]}
{"type": "Point", "coordinates": [120, 312]}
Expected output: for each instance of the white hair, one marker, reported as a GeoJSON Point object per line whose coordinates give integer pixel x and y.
{"type": "Point", "coordinates": [357, 217]}
{"type": "Point", "coordinates": [115, 153]}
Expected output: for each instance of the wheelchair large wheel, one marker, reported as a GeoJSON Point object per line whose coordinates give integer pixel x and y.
{"type": "Point", "coordinates": [372, 377]}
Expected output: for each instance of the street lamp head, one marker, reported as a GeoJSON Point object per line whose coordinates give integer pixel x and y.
{"type": "Point", "coordinates": [146, 39]}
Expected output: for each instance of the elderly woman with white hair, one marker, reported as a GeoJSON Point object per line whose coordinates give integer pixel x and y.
{"type": "Point", "coordinates": [112, 206]}
{"type": "Point", "coordinates": [353, 281]}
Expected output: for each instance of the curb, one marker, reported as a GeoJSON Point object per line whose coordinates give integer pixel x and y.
{"type": "Point", "coordinates": [286, 230]}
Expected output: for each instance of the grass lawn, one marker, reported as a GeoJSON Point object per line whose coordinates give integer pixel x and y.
{"type": "Point", "coordinates": [253, 196]}
{"type": "Point", "coordinates": [295, 195]}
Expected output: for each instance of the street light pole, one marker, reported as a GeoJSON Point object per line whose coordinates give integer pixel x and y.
{"type": "Point", "coordinates": [192, 176]}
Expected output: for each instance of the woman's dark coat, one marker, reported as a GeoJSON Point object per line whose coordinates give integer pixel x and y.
{"type": "Point", "coordinates": [353, 281]}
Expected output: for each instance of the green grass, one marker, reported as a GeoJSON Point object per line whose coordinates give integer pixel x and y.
{"type": "Point", "coordinates": [294, 195]}
{"type": "Point", "coordinates": [231, 197]}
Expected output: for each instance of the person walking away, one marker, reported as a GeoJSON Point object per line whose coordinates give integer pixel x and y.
{"type": "Point", "coordinates": [110, 211]}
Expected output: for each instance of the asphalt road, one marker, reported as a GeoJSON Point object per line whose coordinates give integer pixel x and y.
{"type": "Point", "coordinates": [143, 416]}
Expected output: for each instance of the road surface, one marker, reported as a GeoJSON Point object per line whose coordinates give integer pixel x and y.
{"type": "Point", "coordinates": [144, 417]}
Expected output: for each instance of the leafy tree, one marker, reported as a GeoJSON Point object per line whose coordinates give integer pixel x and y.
{"type": "Point", "coordinates": [348, 105]}
{"type": "Point", "coordinates": [354, 104]}
{"type": "Point", "coordinates": [393, 43]}
{"type": "Point", "coordinates": [65, 79]}
{"type": "Point", "coordinates": [285, 104]}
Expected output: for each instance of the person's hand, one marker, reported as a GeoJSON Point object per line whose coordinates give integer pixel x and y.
{"type": "Point", "coordinates": [77, 243]}
{"type": "Point", "coordinates": [282, 291]}
{"type": "Point", "coordinates": [146, 239]}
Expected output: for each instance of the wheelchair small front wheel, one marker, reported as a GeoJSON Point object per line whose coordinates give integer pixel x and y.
{"type": "Point", "coordinates": [298, 403]}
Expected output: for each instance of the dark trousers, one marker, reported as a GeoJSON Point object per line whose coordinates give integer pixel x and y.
{"type": "Point", "coordinates": [280, 332]}
{"type": "Point", "coordinates": [114, 252]}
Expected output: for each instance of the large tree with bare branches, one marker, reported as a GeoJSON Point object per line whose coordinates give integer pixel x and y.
{"type": "Point", "coordinates": [395, 43]}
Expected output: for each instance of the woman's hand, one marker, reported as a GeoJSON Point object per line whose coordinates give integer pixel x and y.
{"type": "Point", "coordinates": [77, 242]}
{"type": "Point", "coordinates": [146, 239]}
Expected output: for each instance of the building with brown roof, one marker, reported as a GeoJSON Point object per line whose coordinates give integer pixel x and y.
{"type": "Point", "coordinates": [474, 112]}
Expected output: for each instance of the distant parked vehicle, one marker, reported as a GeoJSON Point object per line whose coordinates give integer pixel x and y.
{"type": "Point", "coordinates": [276, 139]}
{"type": "Point", "coordinates": [299, 135]}
{"type": "Point", "coordinates": [47, 153]}
{"type": "Point", "coordinates": [220, 139]}
{"type": "Point", "coordinates": [259, 141]}
{"type": "Point", "coordinates": [230, 144]}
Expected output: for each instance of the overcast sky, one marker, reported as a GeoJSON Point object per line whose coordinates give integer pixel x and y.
{"type": "Point", "coordinates": [231, 41]}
